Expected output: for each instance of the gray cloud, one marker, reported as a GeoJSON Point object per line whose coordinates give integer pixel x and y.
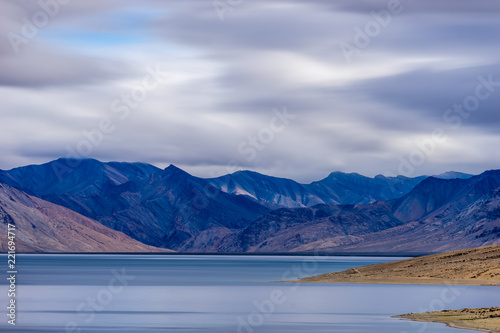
{"type": "Point", "coordinates": [430, 93]}
{"type": "Point", "coordinates": [442, 6]}
{"type": "Point", "coordinates": [39, 67]}
{"type": "Point", "coordinates": [224, 78]}
{"type": "Point", "coordinates": [28, 59]}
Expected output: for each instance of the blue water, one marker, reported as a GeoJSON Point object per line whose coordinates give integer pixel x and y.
{"type": "Point", "coordinates": [178, 293]}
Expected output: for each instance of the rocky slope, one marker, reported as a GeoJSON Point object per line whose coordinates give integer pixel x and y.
{"type": "Point", "coordinates": [337, 188]}
{"type": "Point", "coordinates": [437, 215]}
{"type": "Point", "coordinates": [455, 215]}
{"type": "Point", "coordinates": [272, 192]}
{"type": "Point", "coordinates": [162, 208]}
{"type": "Point", "coordinates": [41, 226]}
{"type": "Point", "coordinates": [171, 207]}
{"type": "Point", "coordinates": [303, 229]}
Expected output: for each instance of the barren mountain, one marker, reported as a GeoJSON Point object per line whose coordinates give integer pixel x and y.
{"type": "Point", "coordinates": [437, 215]}
{"type": "Point", "coordinates": [163, 208]}
{"type": "Point", "coordinates": [171, 207]}
{"type": "Point", "coordinates": [337, 188]}
{"type": "Point", "coordinates": [41, 226]}
{"type": "Point", "coordinates": [303, 229]}
{"type": "Point", "coordinates": [468, 217]}
{"type": "Point", "coordinates": [250, 212]}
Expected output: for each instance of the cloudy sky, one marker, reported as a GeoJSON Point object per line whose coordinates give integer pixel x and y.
{"type": "Point", "coordinates": [289, 88]}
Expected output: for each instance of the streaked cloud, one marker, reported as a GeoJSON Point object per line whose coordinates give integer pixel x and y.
{"type": "Point", "coordinates": [223, 79]}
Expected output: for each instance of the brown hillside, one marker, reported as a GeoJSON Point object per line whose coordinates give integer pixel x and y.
{"type": "Point", "coordinates": [477, 266]}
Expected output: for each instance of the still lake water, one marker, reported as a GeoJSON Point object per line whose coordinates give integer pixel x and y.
{"type": "Point", "coordinates": [192, 293]}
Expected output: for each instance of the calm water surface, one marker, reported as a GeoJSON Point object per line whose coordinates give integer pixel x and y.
{"type": "Point", "coordinates": [178, 293]}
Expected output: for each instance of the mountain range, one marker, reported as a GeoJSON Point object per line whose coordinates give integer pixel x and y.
{"type": "Point", "coordinates": [250, 212]}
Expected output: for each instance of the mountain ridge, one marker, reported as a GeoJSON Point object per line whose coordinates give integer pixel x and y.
{"type": "Point", "coordinates": [437, 215]}
{"type": "Point", "coordinates": [249, 212]}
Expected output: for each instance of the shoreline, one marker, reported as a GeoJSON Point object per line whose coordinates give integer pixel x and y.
{"type": "Point", "coordinates": [478, 319]}
{"type": "Point", "coordinates": [477, 266]}
{"type": "Point", "coordinates": [399, 280]}
{"type": "Point", "coordinates": [288, 254]}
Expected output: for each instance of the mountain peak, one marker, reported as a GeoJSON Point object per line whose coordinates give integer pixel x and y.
{"type": "Point", "coordinates": [337, 173]}
{"type": "Point", "coordinates": [173, 170]}
{"type": "Point", "coordinates": [453, 175]}
{"type": "Point", "coordinates": [492, 172]}
{"type": "Point", "coordinates": [172, 167]}
{"type": "Point", "coordinates": [244, 172]}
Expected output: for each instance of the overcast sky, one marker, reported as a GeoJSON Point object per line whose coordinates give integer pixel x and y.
{"type": "Point", "coordinates": [288, 88]}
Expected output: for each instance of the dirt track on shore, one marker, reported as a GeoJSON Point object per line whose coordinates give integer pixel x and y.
{"type": "Point", "coordinates": [477, 266]}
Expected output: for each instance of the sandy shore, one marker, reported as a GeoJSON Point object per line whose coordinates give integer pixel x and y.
{"type": "Point", "coordinates": [478, 266]}
{"type": "Point", "coordinates": [482, 319]}
{"type": "Point", "coordinates": [415, 281]}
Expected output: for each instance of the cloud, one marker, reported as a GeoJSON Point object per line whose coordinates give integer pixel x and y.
{"type": "Point", "coordinates": [224, 79]}
{"type": "Point", "coordinates": [28, 58]}
{"type": "Point", "coordinates": [429, 93]}
{"type": "Point", "coordinates": [41, 67]}
{"type": "Point", "coordinates": [441, 6]}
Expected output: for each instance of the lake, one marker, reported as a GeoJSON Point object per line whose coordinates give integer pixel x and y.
{"type": "Point", "coordinates": [216, 293]}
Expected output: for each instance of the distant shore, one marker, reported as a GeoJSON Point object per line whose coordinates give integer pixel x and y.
{"type": "Point", "coordinates": [402, 280]}
{"type": "Point", "coordinates": [480, 319]}
{"type": "Point", "coordinates": [477, 266]}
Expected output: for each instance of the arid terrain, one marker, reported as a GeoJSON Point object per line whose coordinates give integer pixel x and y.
{"type": "Point", "coordinates": [41, 226]}
{"type": "Point", "coordinates": [482, 319]}
{"type": "Point", "coordinates": [477, 266]}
